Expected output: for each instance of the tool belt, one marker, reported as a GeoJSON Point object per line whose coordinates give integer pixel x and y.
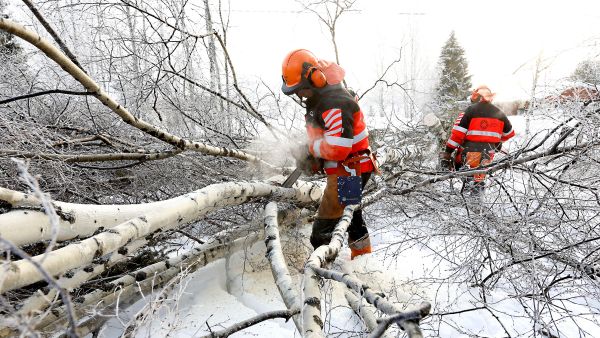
{"type": "Point", "coordinates": [351, 166]}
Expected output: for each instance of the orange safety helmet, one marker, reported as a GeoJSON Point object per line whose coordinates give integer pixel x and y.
{"type": "Point", "coordinates": [299, 71]}
{"type": "Point", "coordinates": [482, 94]}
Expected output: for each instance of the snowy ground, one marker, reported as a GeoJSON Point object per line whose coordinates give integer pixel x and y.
{"type": "Point", "coordinates": [202, 302]}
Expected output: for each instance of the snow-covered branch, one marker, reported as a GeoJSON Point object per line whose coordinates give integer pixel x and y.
{"type": "Point", "coordinates": [72, 158]}
{"type": "Point", "coordinates": [90, 85]}
{"type": "Point", "coordinates": [406, 319]}
{"type": "Point", "coordinates": [312, 324]}
{"type": "Point", "coordinates": [285, 314]}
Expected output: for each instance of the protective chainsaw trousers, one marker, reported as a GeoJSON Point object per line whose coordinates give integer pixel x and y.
{"type": "Point", "coordinates": [329, 214]}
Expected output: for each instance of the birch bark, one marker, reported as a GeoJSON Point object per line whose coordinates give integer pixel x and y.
{"type": "Point", "coordinates": [186, 209]}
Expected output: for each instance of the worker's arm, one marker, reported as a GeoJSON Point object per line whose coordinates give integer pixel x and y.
{"type": "Point", "coordinates": [337, 140]}
{"type": "Point", "coordinates": [459, 132]}
{"type": "Point", "coordinates": [507, 131]}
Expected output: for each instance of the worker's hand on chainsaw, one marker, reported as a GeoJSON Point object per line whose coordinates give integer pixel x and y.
{"type": "Point", "coordinates": [310, 165]}
{"type": "Point", "coordinates": [306, 161]}
{"type": "Point", "coordinates": [445, 161]}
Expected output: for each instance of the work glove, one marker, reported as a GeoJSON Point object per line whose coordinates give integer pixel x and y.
{"type": "Point", "coordinates": [310, 165]}
{"type": "Point", "coordinates": [306, 161]}
{"type": "Point", "coordinates": [445, 161]}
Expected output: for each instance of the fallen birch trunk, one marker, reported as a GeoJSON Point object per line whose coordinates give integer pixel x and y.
{"type": "Point", "coordinates": [199, 257]}
{"type": "Point", "coordinates": [279, 268]}
{"type": "Point", "coordinates": [390, 155]}
{"type": "Point", "coordinates": [27, 223]}
{"type": "Point", "coordinates": [69, 281]}
{"type": "Point", "coordinates": [312, 324]}
{"type": "Point", "coordinates": [190, 207]}
{"type": "Point", "coordinates": [189, 262]}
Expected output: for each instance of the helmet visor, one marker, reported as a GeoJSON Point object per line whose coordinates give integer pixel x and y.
{"type": "Point", "coordinates": [290, 90]}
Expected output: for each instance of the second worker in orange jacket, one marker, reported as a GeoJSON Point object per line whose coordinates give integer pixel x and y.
{"type": "Point", "coordinates": [477, 134]}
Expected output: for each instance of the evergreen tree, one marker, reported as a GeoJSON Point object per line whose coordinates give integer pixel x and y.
{"type": "Point", "coordinates": [453, 86]}
{"type": "Point", "coordinates": [455, 81]}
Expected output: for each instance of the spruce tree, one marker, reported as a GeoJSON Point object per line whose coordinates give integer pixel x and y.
{"type": "Point", "coordinates": [455, 81]}
{"type": "Point", "coordinates": [453, 86]}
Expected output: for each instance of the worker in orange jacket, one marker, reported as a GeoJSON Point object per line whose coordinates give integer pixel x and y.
{"type": "Point", "coordinates": [337, 135]}
{"type": "Point", "coordinates": [476, 136]}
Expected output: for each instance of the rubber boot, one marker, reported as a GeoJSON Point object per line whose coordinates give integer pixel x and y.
{"type": "Point", "coordinates": [358, 236]}
{"type": "Point", "coordinates": [361, 246]}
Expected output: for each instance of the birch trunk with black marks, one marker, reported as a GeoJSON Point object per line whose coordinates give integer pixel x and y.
{"type": "Point", "coordinates": [26, 222]}
{"type": "Point", "coordinates": [312, 323]}
{"type": "Point", "coordinates": [71, 280]}
{"type": "Point", "coordinates": [189, 208]}
{"type": "Point", "coordinates": [160, 273]}
{"type": "Point", "coordinates": [279, 268]}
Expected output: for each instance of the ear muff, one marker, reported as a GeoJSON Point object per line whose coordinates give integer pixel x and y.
{"type": "Point", "coordinates": [316, 77]}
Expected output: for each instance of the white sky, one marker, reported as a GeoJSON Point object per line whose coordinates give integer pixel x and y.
{"type": "Point", "coordinates": [502, 41]}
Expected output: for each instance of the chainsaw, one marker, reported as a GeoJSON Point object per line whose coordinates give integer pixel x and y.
{"type": "Point", "coordinates": [292, 178]}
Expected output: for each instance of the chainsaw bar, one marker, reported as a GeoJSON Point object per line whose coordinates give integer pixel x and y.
{"type": "Point", "coordinates": [292, 178]}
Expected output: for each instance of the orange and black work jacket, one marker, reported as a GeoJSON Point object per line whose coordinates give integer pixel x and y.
{"type": "Point", "coordinates": [336, 128]}
{"type": "Point", "coordinates": [480, 123]}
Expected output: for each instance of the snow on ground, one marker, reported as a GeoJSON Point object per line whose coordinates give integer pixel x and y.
{"type": "Point", "coordinates": [409, 275]}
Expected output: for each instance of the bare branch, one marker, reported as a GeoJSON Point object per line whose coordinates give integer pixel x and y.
{"type": "Point", "coordinates": [285, 314]}
{"type": "Point", "coordinates": [45, 92]}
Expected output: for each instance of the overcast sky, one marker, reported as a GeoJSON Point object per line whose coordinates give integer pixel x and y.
{"type": "Point", "coordinates": [502, 41]}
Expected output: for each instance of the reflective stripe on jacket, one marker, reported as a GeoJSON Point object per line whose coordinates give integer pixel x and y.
{"type": "Point", "coordinates": [481, 122]}
{"type": "Point", "coordinates": [336, 127]}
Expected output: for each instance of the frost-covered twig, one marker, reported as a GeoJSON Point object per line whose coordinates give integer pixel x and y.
{"type": "Point", "coordinates": [487, 169]}
{"type": "Point", "coordinates": [53, 33]}
{"type": "Point", "coordinates": [290, 296]}
{"type": "Point", "coordinates": [286, 314]}
{"type": "Point", "coordinates": [91, 86]}
{"type": "Point", "coordinates": [405, 319]}
{"type": "Point", "coordinates": [152, 305]}
{"type": "Point", "coordinates": [66, 299]}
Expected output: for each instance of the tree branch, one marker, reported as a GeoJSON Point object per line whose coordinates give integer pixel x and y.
{"type": "Point", "coordinates": [103, 97]}
{"type": "Point", "coordinates": [286, 314]}
{"type": "Point", "coordinates": [52, 33]}
{"type": "Point", "coordinates": [45, 92]}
